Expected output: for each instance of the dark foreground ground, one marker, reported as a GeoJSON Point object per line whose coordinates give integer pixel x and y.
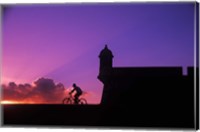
{"type": "Point", "coordinates": [93, 116]}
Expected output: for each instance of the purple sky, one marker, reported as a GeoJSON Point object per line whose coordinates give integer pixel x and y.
{"type": "Point", "coordinates": [62, 42]}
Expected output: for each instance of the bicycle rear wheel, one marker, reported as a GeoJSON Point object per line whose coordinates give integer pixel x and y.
{"type": "Point", "coordinates": [67, 101]}
{"type": "Point", "coordinates": [82, 101]}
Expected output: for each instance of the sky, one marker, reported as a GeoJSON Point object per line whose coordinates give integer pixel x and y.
{"type": "Point", "coordinates": [62, 42]}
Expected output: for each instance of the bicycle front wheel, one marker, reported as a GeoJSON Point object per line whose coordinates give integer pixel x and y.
{"type": "Point", "coordinates": [82, 101]}
{"type": "Point", "coordinates": [67, 101]}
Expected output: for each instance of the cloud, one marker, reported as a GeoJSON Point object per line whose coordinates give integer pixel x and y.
{"type": "Point", "coordinates": [44, 90]}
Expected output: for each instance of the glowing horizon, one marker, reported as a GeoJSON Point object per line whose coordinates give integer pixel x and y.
{"type": "Point", "coordinates": [14, 102]}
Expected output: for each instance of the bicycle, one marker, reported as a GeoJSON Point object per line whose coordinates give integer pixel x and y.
{"type": "Point", "coordinates": [70, 100]}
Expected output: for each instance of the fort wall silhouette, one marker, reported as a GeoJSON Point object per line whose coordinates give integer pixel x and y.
{"type": "Point", "coordinates": [157, 93]}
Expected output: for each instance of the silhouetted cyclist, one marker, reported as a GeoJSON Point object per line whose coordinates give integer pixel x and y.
{"type": "Point", "coordinates": [78, 93]}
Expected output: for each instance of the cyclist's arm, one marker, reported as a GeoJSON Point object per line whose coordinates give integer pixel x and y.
{"type": "Point", "coordinates": [71, 91]}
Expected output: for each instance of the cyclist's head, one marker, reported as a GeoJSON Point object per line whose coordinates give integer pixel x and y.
{"type": "Point", "coordinates": [74, 84]}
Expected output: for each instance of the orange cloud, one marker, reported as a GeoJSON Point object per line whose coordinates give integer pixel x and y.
{"type": "Point", "coordinates": [43, 91]}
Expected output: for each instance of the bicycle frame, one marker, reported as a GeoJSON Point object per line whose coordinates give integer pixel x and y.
{"type": "Point", "coordinates": [70, 100]}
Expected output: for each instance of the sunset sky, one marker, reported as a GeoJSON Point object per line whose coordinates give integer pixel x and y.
{"type": "Point", "coordinates": [62, 42]}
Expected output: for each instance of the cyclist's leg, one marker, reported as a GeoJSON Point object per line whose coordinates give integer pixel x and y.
{"type": "Point", "coordinates": [76, 99]}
